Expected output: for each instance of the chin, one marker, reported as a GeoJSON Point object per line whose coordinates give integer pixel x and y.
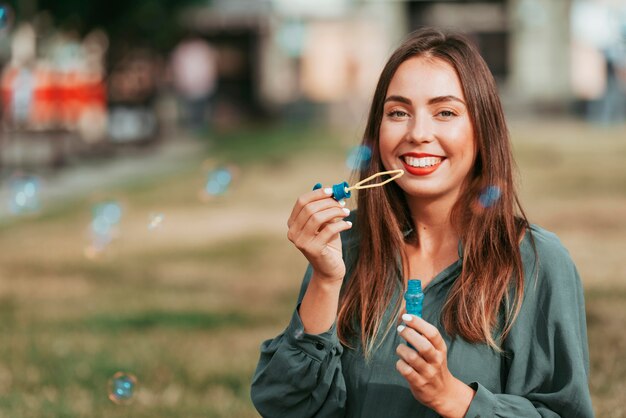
{"type": "Point", "coordinates": [429, 193]}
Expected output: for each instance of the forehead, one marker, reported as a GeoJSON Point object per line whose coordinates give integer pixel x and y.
{"type": "Point", "coordinates": [425, 77]}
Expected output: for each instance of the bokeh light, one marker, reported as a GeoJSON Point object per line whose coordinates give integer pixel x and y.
{"type": "Point", "coordinates": [218, 181]}
{"type": "Point", "coordinates": [155, 221]}
{"type": "Point", "coordinates": [24, 194]}
{"type": "Point", "coordinates": [105, 218]}
{"type": "Point", "coordinates": [122, 387]}
{"type": "Point", "coordinates": [489, 196]}
{"type": "Point", "coordinates": [359, 157]}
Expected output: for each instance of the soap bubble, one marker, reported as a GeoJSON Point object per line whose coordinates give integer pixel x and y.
{"type": "Point", "coordinates": [156, 219]}
{"type": "Point", "coordinates": [24, 194]}
{"type": "Point", "coordinates": [359, 157]}
{"type": "Point", "coordinates": [122, 387]}
{"type": "Point", "coordinates": [489, 196]}
{"type": "Point", "coordinates": [105, 218]}
{"type": "Point", "coordinates": [218, 181]}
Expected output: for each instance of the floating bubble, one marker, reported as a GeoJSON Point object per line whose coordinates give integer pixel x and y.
{"type": "Point", "coordinates": [489, 196]}
{"type": "Point", "coordinates": [156, 219]}
{"type": "Point", "coordinates": [100, 226]}
{"type": "Point", "coordinates": [24, 194]}
{"type": "Point", "coordinates": [122, 388]}
{"type": "Point", "coordinates": [218, 181]}
{"type": "Point", "coordinates": [359, 157]}
{"type": "Point", "coordinates": [30, 189]}
{"type": "Point", "coordinates": [105, 217]}
{"type": "Point", "coordinates": [111, 212]}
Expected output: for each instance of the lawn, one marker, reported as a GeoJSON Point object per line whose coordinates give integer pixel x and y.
{"type": "Point", "coordinates": [185, 306]}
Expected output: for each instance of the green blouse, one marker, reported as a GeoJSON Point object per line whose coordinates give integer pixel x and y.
{"type": "Point", "coordinates": [543, 371]}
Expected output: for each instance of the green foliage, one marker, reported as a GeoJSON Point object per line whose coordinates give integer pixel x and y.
{"type": "Point", "coordinates": [267, 145]}
{"type": "Point", "coordinates": [148, 23]}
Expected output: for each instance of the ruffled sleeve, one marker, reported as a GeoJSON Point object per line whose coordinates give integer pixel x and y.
{"type": "Point", "coordinates": [299, 375]}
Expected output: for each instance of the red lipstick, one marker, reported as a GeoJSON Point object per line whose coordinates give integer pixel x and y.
{"type": "Point", "coordinates": [420, 171]}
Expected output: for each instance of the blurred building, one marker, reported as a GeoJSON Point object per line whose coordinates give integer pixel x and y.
{"type": "Point", "coordinates": [524, 42]}
{"type": "Point", "coordinates": [298, 57]}
{"type": "Point", "coordinates": [311, 60]}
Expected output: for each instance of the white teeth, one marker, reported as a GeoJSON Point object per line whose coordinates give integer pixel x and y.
{"type": "Point", "coordinates": [422, 162]}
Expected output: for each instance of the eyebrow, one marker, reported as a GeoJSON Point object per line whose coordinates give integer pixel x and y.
{"type": "Point", "coordinates": [433, 100]}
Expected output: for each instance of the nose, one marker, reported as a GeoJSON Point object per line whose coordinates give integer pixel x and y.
{"type": "Point", "coordinates": [419, 129]}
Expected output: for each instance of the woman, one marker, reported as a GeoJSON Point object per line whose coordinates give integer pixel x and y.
{"type": "Point", "coordinates": [503, 332]}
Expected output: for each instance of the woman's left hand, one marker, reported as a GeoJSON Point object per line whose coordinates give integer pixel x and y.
{"type": "Point", "coordinates": [425, 368]}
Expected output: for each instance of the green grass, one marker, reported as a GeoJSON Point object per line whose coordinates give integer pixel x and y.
{"type": "Point", "coordinates": [148, 320]}
{"type": "Point", "coordinates": [185, 308]}
{"type": "Point", "coordinates": [266, 144]}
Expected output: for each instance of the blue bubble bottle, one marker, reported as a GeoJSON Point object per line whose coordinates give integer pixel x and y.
{"type": "Point", "coordinates": [414, 297]}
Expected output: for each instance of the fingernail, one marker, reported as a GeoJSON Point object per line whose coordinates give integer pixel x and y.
{"type": "Point", "coordinates": [342, 202]}
{"type": "Point", "coordinates": [347, 211]}
{"type": "Point", "coordinates": [328, 191]}
{"type": "Point", "coordinates": [401, 328]}
{"type": "Point", "coordinates": [349, 223]}
{"type": "Point", "coordinates": [407, 318]}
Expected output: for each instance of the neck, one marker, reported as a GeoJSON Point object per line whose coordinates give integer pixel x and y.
{"type": "Point", "coordinates": [433, 226]}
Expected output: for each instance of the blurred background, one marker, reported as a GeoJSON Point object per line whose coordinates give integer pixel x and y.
{"type": "Point", "coordinates": [151, 152]}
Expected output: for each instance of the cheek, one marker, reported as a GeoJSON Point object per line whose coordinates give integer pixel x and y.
{"type": "Point", "coordinates": [461, 141]}
{"type": "Point", "coordinates": [389, 137]}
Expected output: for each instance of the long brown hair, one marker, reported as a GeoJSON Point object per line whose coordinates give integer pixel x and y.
{"type": "Point", "coordinates": [491, 260]}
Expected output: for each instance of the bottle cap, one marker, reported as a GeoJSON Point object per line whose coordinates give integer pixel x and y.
{"type": "Point", "coordinates": [340, 191]}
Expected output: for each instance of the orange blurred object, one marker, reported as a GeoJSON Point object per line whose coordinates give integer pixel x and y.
{"type": "Point", "coordinates": [57, 100]}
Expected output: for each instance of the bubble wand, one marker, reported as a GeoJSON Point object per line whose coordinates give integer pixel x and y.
{"type": "Point", "coordinates": [344, 190]}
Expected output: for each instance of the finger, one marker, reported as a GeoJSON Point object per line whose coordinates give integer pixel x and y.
{"type": "Point", "coordinates": [421, 344]}
{"type": "Point", "coordinates": [330, 230]}
{"type": "Point", "coordinates": [296, 228]}
{"type": "Point", "coordinates": [319, 219]}
{"type": "Point", "coordinates": [305, 199]}
{"type": "Point", "coordinates": [429, 331]}
{"type": "Point", "coordinates": [309, 210]}
{"type": "Point", "coordinates": [412, 358]}
{"type": "Point", "coordinates": [409, 373]}
{"type": "Point", "coordinates": [312, 209]}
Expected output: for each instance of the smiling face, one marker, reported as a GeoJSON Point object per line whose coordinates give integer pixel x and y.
{"type": "Point", "coordinates": [426, 129]}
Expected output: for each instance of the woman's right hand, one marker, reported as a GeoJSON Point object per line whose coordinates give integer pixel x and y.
{"type": "Point", "coordinates": [314, 226]}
